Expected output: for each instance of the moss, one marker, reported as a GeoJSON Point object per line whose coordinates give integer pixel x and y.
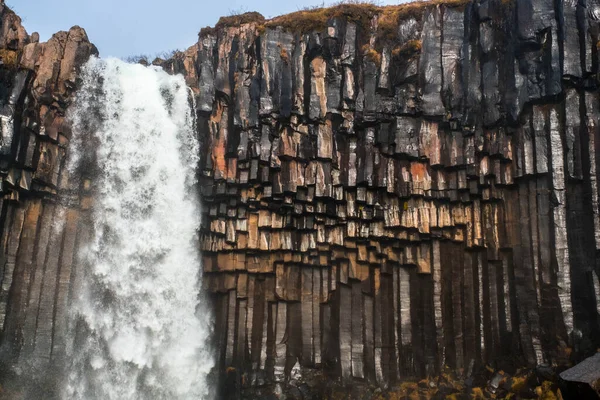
{"type": "Point", "coordinates": [241, 19]}
{"type": "Point", "coordinates": [207, 30]}
{"type": "Point", "coordinates": [283, 54]}
{"type": "Point", "coordinates": [392, 16]}
{"type": "Point", "coordinates": [10, 58]}
{"type": "Point", "coordinates": [477, 394]}
{"type": "Point", "coordinates": [547, 391]}
{"type": "Point", "coordinates": [315, 19]}
{"type": "Point", "coordinates": [518, 383]}
{"type": "Point", "coordinates": [234, 20]}
{"type": "Point", "coordinates": [372, 55]}
{"type": "Point", "coordinates": [360, 12]}
{"type": "Point", "coordinates": [405, 51]}
{"type": "Point", "coordinates": [387, 27]}
{"type": "Point", "coordinates": [408, 49]}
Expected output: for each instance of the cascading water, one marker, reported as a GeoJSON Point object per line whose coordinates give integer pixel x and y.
{"type": "Point", "coordinates": [140, 327]}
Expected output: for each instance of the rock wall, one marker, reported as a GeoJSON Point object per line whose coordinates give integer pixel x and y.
{"type": "Point", "coordinates": [388, 191]}
{"type": "Point", "coordinates": [41, 218]}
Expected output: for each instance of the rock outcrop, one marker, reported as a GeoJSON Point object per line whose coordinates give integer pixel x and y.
{"type": "Point", "coordinates": [583, 380]}
{"type": "Point", "coordinates": [387, 191]}
{"type": "Point", "coordinates": [39, 227]}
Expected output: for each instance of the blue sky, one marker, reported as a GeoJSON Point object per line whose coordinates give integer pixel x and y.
{"type": "Point", "coordinates": [131, 27]}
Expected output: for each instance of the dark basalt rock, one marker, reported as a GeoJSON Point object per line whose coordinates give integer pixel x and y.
{"type": "Point", "coordinates": [382, 203]}
{"type": "Point", "coordinates": [583, 380]}
{"type": "Point", "coordinates": [37, 83]}
{"type": "Point", "coordinates": [417, 206]}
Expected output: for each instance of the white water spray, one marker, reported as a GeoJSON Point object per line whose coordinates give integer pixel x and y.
{"type": "Point", "coordinates": [140, 330]}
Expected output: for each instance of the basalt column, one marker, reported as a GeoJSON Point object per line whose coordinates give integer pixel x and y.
{"type": "Point", "coordinates": [43, 215]}
{"type": "Point", "coordinates": [388, 191]}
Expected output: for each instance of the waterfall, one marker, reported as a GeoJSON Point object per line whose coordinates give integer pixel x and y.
{"type": "Point", "coordinates": [140, 326]}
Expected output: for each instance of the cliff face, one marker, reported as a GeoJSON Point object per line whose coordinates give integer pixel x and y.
{"type": "Point", "coordinates": [386, 191]}
{"type": "Point", "coordinates": [39, 228]}
{"type": "Point", "coordinates": [389, 191]}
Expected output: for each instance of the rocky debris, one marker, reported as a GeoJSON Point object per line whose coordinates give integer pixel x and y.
{"type": "Point", "coordinates": [583, 380]}
{"type": "Point", "coordinates": [486, 384]}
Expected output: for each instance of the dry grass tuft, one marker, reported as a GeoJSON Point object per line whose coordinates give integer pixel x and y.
{"type": "Point", "coordinates": [283, 54]}
{"type": "Point", "coordinates": [234, 20]}
{"type": "Point", "coordinates": [477, 394]}
{"type": "Point", "coordinates": [360, 12]}
{"type": "Point", "coordinates": [10, 58]}
{"type": "Point", "coordinates": [518, 383]}
{"type": "Point", "coordinates": [391, 16]}
{"type": "Point", "coordinates": [207, 30]}
{"type": "Point", "coordinates": [371, 55]}
{"type": "Point", "coordinates": [241, 19]}
{"type": "Point", "coordinates": [408, 49]}
{"type": "Point", "coordinates": [315, 19]}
